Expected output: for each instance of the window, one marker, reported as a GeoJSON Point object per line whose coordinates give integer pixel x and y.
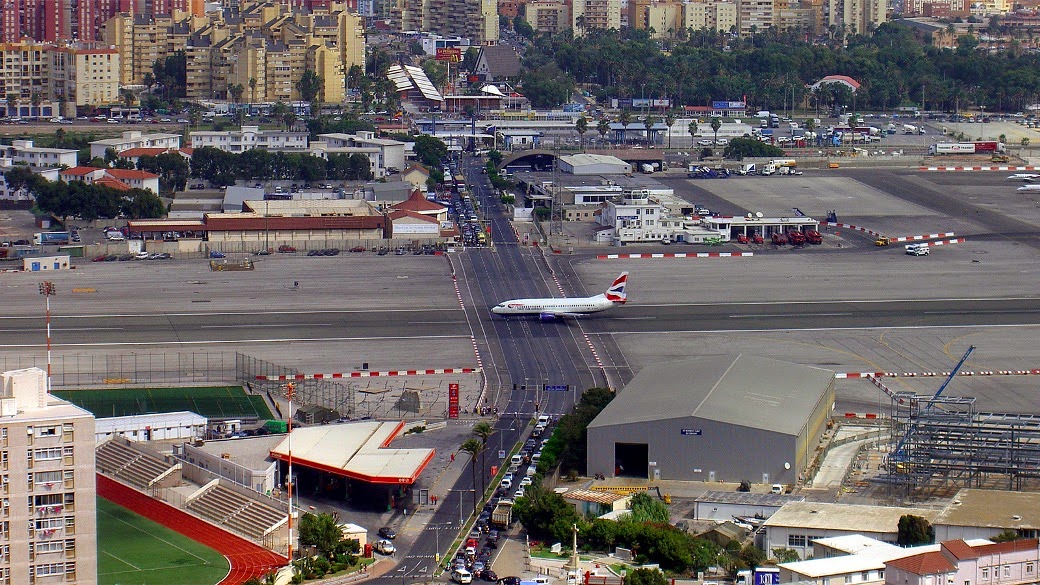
{"type": "Point", "coordinates": [50, 569]}
{"type": "Point", "coordinates": [51, 546]}
{"type": "Point", "coordinates": [1007, 570]}
{"type": "Point", "coordinates": [46, 431]}
{"type": "Point", "coordinates": [1030, 568]}
{"type": "Point", "coordinates": [985, 573]}
{"type": "Point", "coordinates": [51, 454]}
{"type": "Point", "coordinates": [796, 540]}
{"type": "Point", "coordinates": [47, 476]}
{"type": "Point", "coordinates": [67, 428]}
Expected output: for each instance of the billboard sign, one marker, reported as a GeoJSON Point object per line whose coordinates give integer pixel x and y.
{"type": "Point", "coordinates": [728, 105]}
{"type": "Point", "coordinates": [452, 54]}
{"type": "Point", "coordinates": [453, 400]}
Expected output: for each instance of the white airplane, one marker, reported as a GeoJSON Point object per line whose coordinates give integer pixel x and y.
{"type": "Point", "coordinates": [1027, 177]}
{"type": "Point", "coordinates": [1029, 188]}
{"type": "Point", "coordinates": [549, 309]}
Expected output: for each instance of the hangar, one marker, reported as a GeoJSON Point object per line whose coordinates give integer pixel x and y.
{"type": "Point", "coordinates": [354, 461]}
{"type": "Point", "coordinates": [714, 418]}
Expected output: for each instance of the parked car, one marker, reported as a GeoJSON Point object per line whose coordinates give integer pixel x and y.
{"type": "Point", "coordinates": [387, 533]}
{"type": "Point", "coordinates": [216, 254]}
{"type": "Point", "coordinates": [385, 547]}
{"type": "Point", "coordinates": [286, 249]}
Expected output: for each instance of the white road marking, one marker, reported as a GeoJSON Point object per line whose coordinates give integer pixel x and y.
{"type": "Point", "coordinates": [753, 316]}
{"type": "Point", "coordinates": [265, 325]}
{"type": "Point", "coordinates": [785, 329]}
{"type": "Point", "coordinates": [232, 313]}
{"type": "Point", "coordinates": [235, 341]}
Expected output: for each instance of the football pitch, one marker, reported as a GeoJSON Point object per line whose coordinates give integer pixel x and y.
{"type": "Point", "coordinates": [133, 550]}
{"type": "Point", "coordinates": [210, 402]}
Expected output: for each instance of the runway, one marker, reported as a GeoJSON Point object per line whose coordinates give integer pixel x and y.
{"type": "Point", "coordinates": [537, 359]}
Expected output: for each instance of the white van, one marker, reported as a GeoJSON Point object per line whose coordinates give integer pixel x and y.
{"type": "Point", "coordinates": [777, 489]}
{"type": "Point", "coordinates": [917, 249]}
{"type": "Point", "coordinates": [516, 460]}
{"type": "Point", "coordinates": [462, 576]}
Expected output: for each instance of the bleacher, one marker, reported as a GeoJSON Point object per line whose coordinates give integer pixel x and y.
{"type": "Point", "coordinates": [118, 459]}
{"type": "Point", "coordinates": [235, 511]}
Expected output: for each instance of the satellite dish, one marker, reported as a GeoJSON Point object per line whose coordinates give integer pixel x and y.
{"type": "Point", "coordinates": [749, 216]}
{"type": "Point", "coordinates": [758, 214]}
{"type": "Point", "coordinates": [787, 465]}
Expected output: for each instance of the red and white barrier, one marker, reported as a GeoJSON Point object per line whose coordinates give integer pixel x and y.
{"type": "Point", "coordinates": [853, 375]}
{"type": "Point", "coordinates": [927, 237]}
{"type": "Point", "coordinates": [947, 242]}
{"type": "Point", "coordinates": [852, 227]}
{"type": "Point", "coordinates": [676, 255]}
{"type": "Point", "coordinates": [980, 168]}
{"type": "Point", "coordinates": [385, 374]}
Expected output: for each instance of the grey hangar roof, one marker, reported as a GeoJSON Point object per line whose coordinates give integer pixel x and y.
{"type": "Point", "coordinates": [749, 391]}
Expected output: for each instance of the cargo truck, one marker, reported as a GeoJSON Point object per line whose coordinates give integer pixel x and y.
{"type": "Point", "coordinates": [502, 515]}
{"type": "Point", "coordinates": [41, 238]}
{"type": "Point", "coordinates": [980, 147]}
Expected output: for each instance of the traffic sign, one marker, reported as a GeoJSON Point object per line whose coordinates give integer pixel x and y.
{"type": "Point", "coordinates": [557, 388]}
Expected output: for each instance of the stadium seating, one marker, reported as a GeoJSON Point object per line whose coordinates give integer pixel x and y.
{"type": "Point", "coordinates": [235, 511]}
{"type": "Point", "coordinates": [117, 459]}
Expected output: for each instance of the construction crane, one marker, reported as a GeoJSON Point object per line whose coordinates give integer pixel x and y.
{"type": "Point", "coordinates": [953, 373]}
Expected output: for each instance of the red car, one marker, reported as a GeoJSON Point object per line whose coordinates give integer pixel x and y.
{"type": "Point", "coordinates": [742, 239]}
{"type": "Point", "coordinates": [286, 249]}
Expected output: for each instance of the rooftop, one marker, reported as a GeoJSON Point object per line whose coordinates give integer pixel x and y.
{"type": "Point", "coordinates": [595, 497]}
{"type": "Point", "coordinates": [356, 450]}
{"type": "Point", "coordinates": [929, 563]}
{"type": "Point", "coordinates": [845, 517]}
{"type": "Point", "coordinates": [992, 509]}
{"type": "Point", "coordinates": [741, 390]}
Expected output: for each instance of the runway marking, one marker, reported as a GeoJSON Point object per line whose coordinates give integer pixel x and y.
{"type": "Point", "coordinates": [834, 302]}
{"type": "Point", "coordinates": [69, 329]}
{"type": "Point", "coordinates": [265, 325]}
{"type": "Point", "coordinates": [218, 314]}
{"type": "Point", "coordinates": [791, 315]}
{"type": "Point", "coordinates": [433, 322]}
{"type": "Point", "coordinates": [787, 329]}
{"type": "Point", "coordinates": [635, 318]}
{"type": "Point", "coordinates": [237, 341]}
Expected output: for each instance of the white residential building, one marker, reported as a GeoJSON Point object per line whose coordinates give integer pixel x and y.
{"type": "Point", "coordinates": [47, 474]}
{"type": "Point", "coordinates": [6, 194]}
{"type": "Point", "coordinates": [134, 139]}
{"type": "Point", "coordinates": [248, 138]}
{"type": "Point", "coordinates": [390, 152]}
{"type": "Point", "coordinates": [636, 218]}
{"type": "Point", "coordinates": [23, 151]}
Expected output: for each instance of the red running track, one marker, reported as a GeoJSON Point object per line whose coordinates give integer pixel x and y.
{"type": "Point", "coordinates": [247, 559]}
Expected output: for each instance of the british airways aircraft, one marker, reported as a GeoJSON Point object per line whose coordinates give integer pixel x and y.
{"type": "Point", "coordinates": [549, 309]}
{"type": "Point", "coordinates": [1027, 177]}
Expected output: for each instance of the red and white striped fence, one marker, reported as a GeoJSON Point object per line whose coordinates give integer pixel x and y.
{"type": "Point", "coordinates": [853, 375]}
{"type": "Point", "coordinates": [677, 255]}
{"type": "Point", "coordinates": [926, 237]}
{"type": "Point", "coordinates": [980, 168]}
{"type": "Point", "coordinates": [387, 373]}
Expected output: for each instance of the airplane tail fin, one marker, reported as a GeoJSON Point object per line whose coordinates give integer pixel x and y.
{"type": "Point", "coordinates": [616, 292]}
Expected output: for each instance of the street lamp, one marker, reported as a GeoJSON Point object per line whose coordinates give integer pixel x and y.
{"type": "Point", "coordinates": [290, 392]}
{"type": "Point", "coordinates": [47, 289]}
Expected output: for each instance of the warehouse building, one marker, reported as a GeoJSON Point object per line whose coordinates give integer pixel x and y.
{"type": "Point", "coordinates": [714, 418]}
{"type": "Point", "coordinates": [594, 164]}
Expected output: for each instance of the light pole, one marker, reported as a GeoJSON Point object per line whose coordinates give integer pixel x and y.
{"type": "Point", "coordinates": [290, 391]}
{"type": "Point", "coordinates": [47, 289]}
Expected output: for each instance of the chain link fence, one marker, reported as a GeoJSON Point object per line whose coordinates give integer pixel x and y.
{"type": "Point", "coordinates": [72, 371]}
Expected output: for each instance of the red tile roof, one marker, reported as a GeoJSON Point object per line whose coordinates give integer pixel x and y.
{"type": "Point", "coordinates": [959, 549]}
{"type": "Point", "coordinates": [113, 183]}
{"type": "Point", "coordinates": [929, 563]}
{"type": "Point", "coordinates": [130, 174]}
{"type": "Point", "coordinates": [399, 213]}
{"type": "Point", "coordinates": [1000, 548]}
{"type": "Point", "coordinates": [79, 171]}
{"type": "Point", "coordinates": [418, 202]}
{"type": "Point", "coordinates": [136, 152]}
{"type": "Point", "coordinates": [214, 222]}
{"type": "Point", "coordinates": [844, 78]}
{"type": "Point", "coordinates": [415, 167]}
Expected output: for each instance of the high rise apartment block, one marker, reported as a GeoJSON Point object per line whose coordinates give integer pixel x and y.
{"type": "Point", "coordinates": [476, 20]}
{"type": "Point", "coordinates": [48, 513]}
{"type": "Point", "coordinates": [587, 15]}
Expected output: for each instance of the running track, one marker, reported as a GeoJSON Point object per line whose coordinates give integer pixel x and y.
{"type": "Point", "coordinates": [247, 559]}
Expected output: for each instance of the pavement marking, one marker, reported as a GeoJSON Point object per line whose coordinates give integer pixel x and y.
{"type": "Point", "coordinates": [841, 302]}
{"type": "Point", "coordinates": [231, 313]}
{"type": "Point", "coordinates": [264, 326]}
{"type": "Point", "coordinates": [235, 341]}
{"type": "Point", "coordinates": [795, 329]}
{"type": "Point", "coordinates": [753, 316]}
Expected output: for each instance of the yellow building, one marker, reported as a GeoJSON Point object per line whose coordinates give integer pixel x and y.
{"type": "Point", "coordinates": [663, 18]}
{"type": "Point", "coordinates": [24, 70]}
{"type": "Point", "coordinates": [118, 32]}
{"type": "Point", "coordinates": [720, 16]}
{"type": "Point", "coordinates": [81, 77]}
{"type": "Point", "coordinates": [592, 14]}
{"type": "Point", "coordinates": [549, 16]}
{"type": "Point", "coordinates": [328, 65]}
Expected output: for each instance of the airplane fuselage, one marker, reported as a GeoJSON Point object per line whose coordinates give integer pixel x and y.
{"type": "Point", "coordinates": [546, 306]}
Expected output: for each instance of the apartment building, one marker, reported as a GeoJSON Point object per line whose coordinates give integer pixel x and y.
{"type": "Point", "coordinates": [548, 16]}
{"type": "Point", "coordinates": [663, 19]}
{"type": "Point", "coordinates": [47, 485]}
{"type": "Point", "coordinates": [592, 14]}
{"type": "Point", "coordinates": [24, 70]}
{"type": "Point", "coordinates": [720, 16]}
{"type": "Point", "coordinates": [248, 138]}
{"type": "Point", "coordinates": [956, 561]}
{"type": "Point", "coordinates": [81, 77]}
{"type": "Point", "coordinates": [25, 152]}
{"type": "Point", "coordinates": [754, 16]}
{"type": "Point", "coordinates": [134, 139]}
{"type": "Point", "coordinates": [855, 16]}
{"type": "Point", "coordinates": [384, 155]}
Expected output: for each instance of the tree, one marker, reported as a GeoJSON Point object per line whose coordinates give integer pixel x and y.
{"type": "Point", "coordinates": [914, 531]}
{"type": "Point", "coordinates": [646, 577]}
{"type": "Point", "coordinates": [430, 150]}
{"type": "Point", "coordinates": [473, 447]}
{"type": "Point", "coordinates": [321, 532]}
{"type": "Point", "coordinates": [483, 431]}
{"type": "Point", "coordinates": [545, 514]}
{"type": "Point", "coordinates": [522, 27]}
{"type": "Point", "coordinates": [692, 129]}
{"type": "Point", "coordinates": [309, 85]}
{"type": "Point", "coordinates": [236, 92]}
{"type": "Point", "coordinates": [128, 97]}
{"type": "Point", "coordinates": [21, 177]}
{"type": "Point", "coordinates": [740, 148]}
{"type": "Point", "coordinates": [716, 123]}
{"type": "Point", "coordinates": [141, 204]}
{"type": "Point", "coordinates": [1006, 536]}
{"type": "Point", "coordinates": [646, 509]}
{"type": "Point", "coordinates": [649, 123]}
{"type": "Point", "coordinates": [603, 126]}
{"type": "Point", "coordinates": [172, 169]}
{"type": "Point", "coordinates": [35, 99]}
{"type": "Point", "coordinates": [625, 118]}
{"type": "Point", "coordinates": [810, 124]}
{"type": "Point", "coordinates": [751, 556]}
{"type": "Point", "coordinates": [149, 80]}
{"type": "Point", "coordinates": [581, 126]}
{"type": "Point", "coordinates": [785, 555]}
{"type": "Point", "coordinates": [252, 90]}
{"type": "Point", "coordinates": [495, 157]}
{"type": "Point", "coordinates": [669, 120]}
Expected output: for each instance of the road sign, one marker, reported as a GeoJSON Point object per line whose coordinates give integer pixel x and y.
{"type": "Point", "coordinates": [453, 400]}
{"type": "Point", "coordinates": [501, 454]}
{"type": "Point", "coordinates": [557, 388]}
{"type": "Point", "coordinates": [689, 432]}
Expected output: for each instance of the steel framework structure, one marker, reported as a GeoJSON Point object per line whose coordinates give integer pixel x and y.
{"type": "Point", "coordinates": [943, 442]}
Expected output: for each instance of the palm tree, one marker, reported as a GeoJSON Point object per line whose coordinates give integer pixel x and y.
{"type": "Point", "coordinates": [36, 99]}
{"type": "Point", "coordinates": [603, 126]}
{"type": "Point", "coordinates": [669, 119]}
{"type": "Point", "coordinates": [624, 118]}
{"type": "Point", "coordinates": [128, 97]}
{"type": "Point", "coordinates": [582, 126]}
{"type": "Point", "coordinates": [483, 431]}
{"type": "Point", "coordinates": [716, 123]}
{"type": "Point", "coordinates": [649, 122]}
{"type": "Point", "coordinates": [692, 128]}
{"type": "Point", "coordinates": [473, 447]}
{"type": "Point", "coordinates": [252, 90]}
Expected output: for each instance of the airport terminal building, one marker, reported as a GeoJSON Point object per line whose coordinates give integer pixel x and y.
{"type": "Point", "coordinates": [715, 418]}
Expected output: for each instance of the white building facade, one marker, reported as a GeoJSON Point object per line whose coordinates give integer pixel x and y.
{"type": "Point", "coordinates": [134, 139]}
{"type": "Point", "coordinates": [248, 138]}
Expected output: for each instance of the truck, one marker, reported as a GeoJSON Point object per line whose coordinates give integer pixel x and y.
{"type": "Point", "coordinates": [784, 162]}
{"type": "Point", "coordinates": [769, 169]}
{"type": "Point", "coordinates": [40, 238]}
{"type": "Point", "coordinates": [502, 515]}
{"type": "Point", "coordinates": [646, 168]}
{"type": "Point", "coordinates": [911, 129]}
{"type": "Point", "coordinates": [796, 237]}
{"type": "Point", "coordinates": [747, 169]}
{"type": "Point", "coordinates": [813, 237]}
{"type": "Point", "coordinates": [981, 147]}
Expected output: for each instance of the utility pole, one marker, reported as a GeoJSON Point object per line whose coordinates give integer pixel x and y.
{"type": "Point", "coordinates": [47, 289]}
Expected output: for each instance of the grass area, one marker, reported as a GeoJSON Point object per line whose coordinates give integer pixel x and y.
{"type": "Point", "coordinates": [133, 550]}
{"type": "Point", "coordinates": [212, 401]}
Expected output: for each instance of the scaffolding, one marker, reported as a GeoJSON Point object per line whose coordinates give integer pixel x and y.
{"type": "Point", "coordinates": [944, 443]}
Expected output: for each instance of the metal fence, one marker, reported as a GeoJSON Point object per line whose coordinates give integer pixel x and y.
{"type": "Point", "coordinates": [70, 371]}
